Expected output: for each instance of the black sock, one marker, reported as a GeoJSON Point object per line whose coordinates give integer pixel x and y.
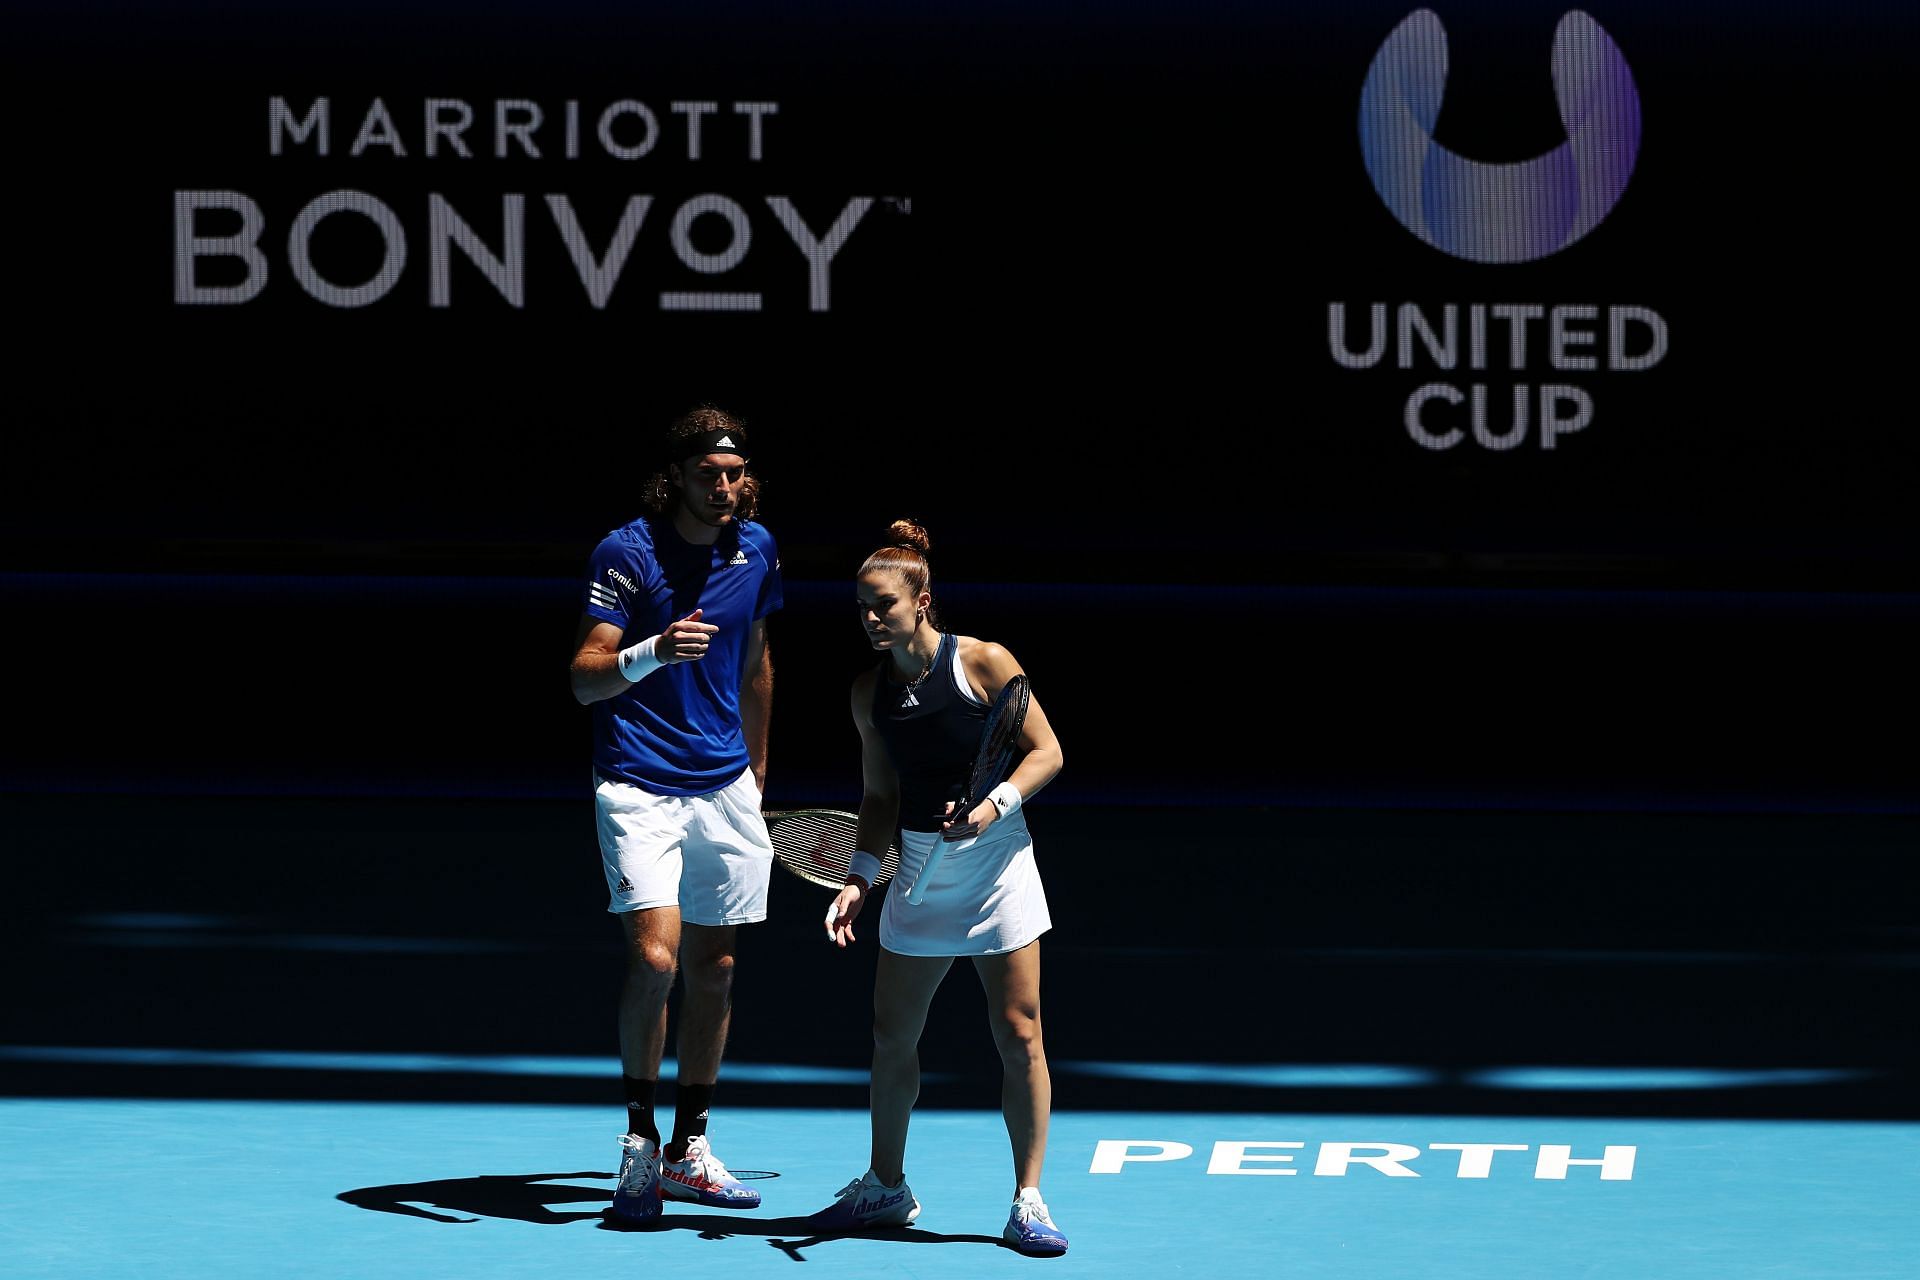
{"type": "Point", "coordinates": [690, 1105]}
{"type": "Point", "coordinates": [640, 1108]}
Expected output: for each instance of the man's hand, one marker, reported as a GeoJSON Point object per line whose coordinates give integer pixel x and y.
{"type": "Point", "coordinates": [840, 915]}
{"type": "Point", "coordinates": [685, 640]}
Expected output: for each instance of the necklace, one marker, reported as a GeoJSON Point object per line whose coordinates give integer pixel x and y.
{"type": "Point", "coordinates": [906, 695]}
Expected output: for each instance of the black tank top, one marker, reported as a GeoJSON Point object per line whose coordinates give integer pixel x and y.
{"type": "Point", "coordinates": [931, 734]}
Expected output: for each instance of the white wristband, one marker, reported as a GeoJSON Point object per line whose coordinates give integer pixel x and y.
{"type": "Point", "coordinates": [864, 865]}
{"type": "Point", "coordinates": [1006, 798]}
{"type": "Point", "coordinates": [637, 661]}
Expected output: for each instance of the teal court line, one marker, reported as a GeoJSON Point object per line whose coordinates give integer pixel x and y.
{"type": "Point", "coordinates": [222, 1189]}
{"type": "Point", "coordinates": [1252, 1075]}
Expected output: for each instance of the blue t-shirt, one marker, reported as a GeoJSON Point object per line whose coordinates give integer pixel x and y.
{"type": "Point", "coordinates": [677, 732]}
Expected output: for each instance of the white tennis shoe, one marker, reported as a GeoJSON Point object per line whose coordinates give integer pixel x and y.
{"type": "Point", "coordinates": [1030, 1227]}
{"type": "Point", "coordinates": [868, 1202]}
{"type": "Point", "coordinates": [637, 1198]}
{"type": "Point", "coordinates": [701, 1178]}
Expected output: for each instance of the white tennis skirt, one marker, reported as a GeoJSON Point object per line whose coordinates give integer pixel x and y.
{"type": "Point", "coordinates": [984, 897]}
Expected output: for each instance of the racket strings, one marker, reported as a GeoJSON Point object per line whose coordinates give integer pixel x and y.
{"type": "Point", "coordinates": [820, 847]}
{"type": "Point", "coordinates": [813, 843]}
{"type": "Point", "coordinates": [1000, 742]}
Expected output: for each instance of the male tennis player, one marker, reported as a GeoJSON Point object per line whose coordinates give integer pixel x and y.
{"type": "Point", "coordinates": [672, 656]}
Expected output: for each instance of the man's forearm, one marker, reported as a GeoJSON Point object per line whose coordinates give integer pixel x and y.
{"type": "Point", "coordinates": [756, 708]}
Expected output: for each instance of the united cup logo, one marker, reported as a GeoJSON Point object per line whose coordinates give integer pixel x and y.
{"type": "Point", "coordinates": [1499, 212]}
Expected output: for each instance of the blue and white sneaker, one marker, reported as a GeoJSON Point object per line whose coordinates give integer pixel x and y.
{"type": "Point", "coordinates": [1030, 1229]}
{"type": "Point", "coordinates": [699, 1177]}
{"type": "Point", "coordinates": [868, 1202]}
{"type": "Point", "coordinates": [637, 1198]}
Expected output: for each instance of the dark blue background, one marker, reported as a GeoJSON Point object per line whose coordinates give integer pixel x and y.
{"type": "Point", "coordinates": [300, 548]}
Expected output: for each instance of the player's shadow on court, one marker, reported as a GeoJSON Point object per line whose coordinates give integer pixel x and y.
{"type": "Point", "coordinates": [789, 1235]}
{"type": "Point", "coordinates": [534, 1197]}
{"type": "Point", "coordinates": [527, 1197]}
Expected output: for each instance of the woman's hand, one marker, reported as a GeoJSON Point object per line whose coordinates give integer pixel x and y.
{"type": "Point", "coordinates": [969, 825]}
{"type": "Point", "coordinates": [845, 907]}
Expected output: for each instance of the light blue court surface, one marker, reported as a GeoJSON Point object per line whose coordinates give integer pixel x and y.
{"type": "Point", "coordinates": [252, 1189]}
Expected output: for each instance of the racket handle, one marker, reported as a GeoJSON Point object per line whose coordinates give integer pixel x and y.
{"type": "Point", "coordinates": [918, 890]}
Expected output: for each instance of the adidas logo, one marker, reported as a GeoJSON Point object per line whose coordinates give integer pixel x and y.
{"type": "Point", "coordinates": [864, 1205]}
{"type": "Point", "coordinates": [909, 700]}
{"type": "Point", "coordinates": [739, 557]}
{"type": "Point", "coordinates": [723, 440]}
{"type": "Point", "coordinates": [625, 886]}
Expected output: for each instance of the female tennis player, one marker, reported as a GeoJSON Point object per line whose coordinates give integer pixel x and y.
{"type": "Point", "coordinates": [920, 713]}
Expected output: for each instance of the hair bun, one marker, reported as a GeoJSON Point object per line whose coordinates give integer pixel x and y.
{"type": "Point", "coordinates": [907, 533]}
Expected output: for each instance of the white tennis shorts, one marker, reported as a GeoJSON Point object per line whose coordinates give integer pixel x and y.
{"type": "Point", "coordinates": [709, 855]}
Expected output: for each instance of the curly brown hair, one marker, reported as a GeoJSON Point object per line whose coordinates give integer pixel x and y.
{"type": "Point", "coordinates": [657, 492]}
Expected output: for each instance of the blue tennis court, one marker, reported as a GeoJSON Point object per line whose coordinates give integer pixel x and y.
{"type": "Point", "coordinates": [242, 1188]}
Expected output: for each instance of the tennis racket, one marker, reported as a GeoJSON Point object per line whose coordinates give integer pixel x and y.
{"type": "Point", "coordinates": [818, 845]}
{"type": "Point", "coordinates": [992, 763]}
